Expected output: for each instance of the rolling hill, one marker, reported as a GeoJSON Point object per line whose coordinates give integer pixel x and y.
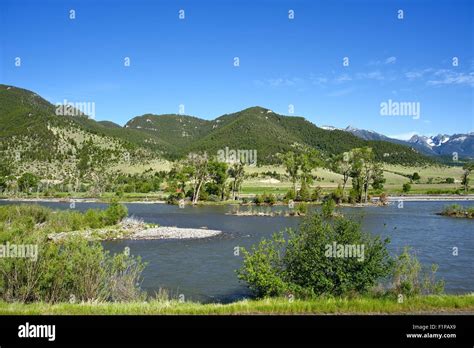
{"type": "Point", "coordinates": [34, 138]}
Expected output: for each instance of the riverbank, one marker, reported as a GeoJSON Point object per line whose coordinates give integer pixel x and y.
{"type": "Point", "coordinates": [130, 229]}
{"type": "Point", "coordinates": [136, 200]}
{"type": "Point", "coordinates": [443, 304]}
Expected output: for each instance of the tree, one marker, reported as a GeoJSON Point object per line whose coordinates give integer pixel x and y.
{"type": "Point", "coordinates": [4, 173]}
{"type": "Point", "coordinates": [236, 172]}
{"type": "Point", "coordinates": [406, 187]}
{"type": "Point", "coordinates": [180, 173]}
{"type": "Point", "coordinates": [27, 181]}
{"type": "Point", "coordinates": [199, 163]}
{"type": "Point", "coordinates": [291, 162]}
{"type": "Point", "coordinates": [342, 164]}
{"type": "Point", "coordinates": [218, 173]}
{"type": "Point", "coordinates": [365, 172]}
{"type": "Point", "coordinates": [415, 176]}
{"type": "Point", "coordinates": [468, 168]}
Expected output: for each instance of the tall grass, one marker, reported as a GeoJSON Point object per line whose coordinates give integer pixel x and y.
{"type": "Point", "coordinates": [363, 305]}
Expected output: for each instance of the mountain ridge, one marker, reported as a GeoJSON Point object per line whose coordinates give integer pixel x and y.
{"type": "Point", "coordinates": [172, 136]}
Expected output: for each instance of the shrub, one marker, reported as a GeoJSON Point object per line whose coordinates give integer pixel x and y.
{"type": "Point", "coordinates": [410, 279]}
{"type": "Point", "coordinates": [270, 199]}
{"type": "Point", "coordinates": [337, 195]}
{"type": "Point", "coordinates": [27, 182]}
{"type": "Point", "coordinates": [317, 193]}
{"type": "Point", "coordinates": [302, 209]}
{"type": "Point", "coordinates": [176, 197]}
{"type": "Point", "coordinates": [259, 199]}
{"type": "Point", "coordinates": [415, 176]}
{"type": "Point", "coordinates": [290, 195]}
{"type": "Point", "coordinates": [75, 269]}
{"type": "Point", "coordinates": [300, 264]}
{"type": "Point", "coordinates": [115, 213]}
{"type": "Point", "coordinates": [303, 194]}
{"type": "Point", "coordinates": [406, 187]}
{"type": "Point", "coordinates": [449, 180]}
{"type": "Point", "coordinates": [383, 198]}
{"type": "Point", "coordinates": [213, 198]}
{"type": "Point", "coordinates": [327, 208]}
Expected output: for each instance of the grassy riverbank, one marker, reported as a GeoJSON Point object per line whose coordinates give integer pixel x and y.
{"type": "Point", "coordinates": [458, 304]}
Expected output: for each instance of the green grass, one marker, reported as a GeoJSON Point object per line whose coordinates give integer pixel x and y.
{"type": "Point", "coordinates": [422, 304]}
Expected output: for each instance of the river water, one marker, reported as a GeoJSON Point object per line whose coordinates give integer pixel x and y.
{"type": "Point", "coordinates": [204, 269]}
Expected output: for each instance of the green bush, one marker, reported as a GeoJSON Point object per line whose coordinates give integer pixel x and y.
{"type": "Point", "coordinates": [406, 187]}
{"type": "Point", "coordinates": [317, 193]}
{"type": "Point", "coordinates": [259, 199]}
{"type": "Point", "coordinates": [290, 195]}
{"type": "Point", "coordinates": [337, 195]}
{"type": "Point", "coordinates": [299, 264]}
{"type": "Point", "coordinates": [115, 213]}
{"type": "Point", "coordinates": [301, 208]}
{"type": "Point", "coordinates": [270, 199]}
{"type": "Point", "coordinates": [327, 208]}
{"type": "Point", "coordinates": [74, 270]}
{"type": "Point", "coordinates": [410, 279]}
{"type": "Point", "coordinates": [303, 194]}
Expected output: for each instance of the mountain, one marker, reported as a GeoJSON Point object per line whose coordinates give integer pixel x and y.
{"type": "Point", "coordinates": [34, 138]}
{"type": "Point", "coordinates": [446, 145]}
{"type": "Point", "coordinates": [439, 145]}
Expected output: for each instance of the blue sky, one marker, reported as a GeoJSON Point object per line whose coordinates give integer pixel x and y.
{"type": "Point", "coordinates": [283, 61]}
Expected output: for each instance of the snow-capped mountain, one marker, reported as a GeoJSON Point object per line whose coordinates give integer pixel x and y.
{"type": "Point", "coordinates": [431, 142]}
{"type": "Point", "coordinates": [443, 144]}
{"type": "Point", "coordinates": [439, 145]}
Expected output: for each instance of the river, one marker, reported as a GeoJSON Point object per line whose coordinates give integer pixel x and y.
{"type": "Point", "coordinates": [204, 269]}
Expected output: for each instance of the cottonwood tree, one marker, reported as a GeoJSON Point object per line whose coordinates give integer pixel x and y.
{"type": "Point", "coordinates": [199, 162]}
{"type": "Point", "coordinates": [218, 174]}
{"type": "Point", "coordinates": [365, 171]}
{"type": "Point", "coordinates": [291, 162]}
{"type": "Point", "coordinates": [305, 160]}
{"type": "Point", "coordinates": [236, 172]}
{"type": "Point", "coordinates": [468, 168]}
{"type": "Point", "coordinates": [342, 164]}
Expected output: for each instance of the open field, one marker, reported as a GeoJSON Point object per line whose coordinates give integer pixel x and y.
{"type": "Point", "coordinates": [432, 182]}
{"type": "Point", "coordinates": [432, 178]}
{"type": "Point", "coordinates": [426, 304]}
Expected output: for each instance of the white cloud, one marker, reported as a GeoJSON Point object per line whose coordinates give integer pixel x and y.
{"type": "Point", "coordinates": [391, 60]}
{"type": "Point", "coordinates": [448, 77]}
{"type": "Point", "coordinates": [342, 78]}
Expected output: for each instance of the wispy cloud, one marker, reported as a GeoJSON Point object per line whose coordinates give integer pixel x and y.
{"type": "Point", "coordinates": [452, 78]}
{"type": "Point", "coordinates": [342, 78]}
{"type": "Point", "coordinates": [340, 92]}
{"type": "Point", "coordinates": [372, 75]}
{"type": "Point", "coordinates": [440, 77]}
{"type": "Point", "coordinates": [279, 82]}
{"type": "Point", "coordinates": [388, 60]}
